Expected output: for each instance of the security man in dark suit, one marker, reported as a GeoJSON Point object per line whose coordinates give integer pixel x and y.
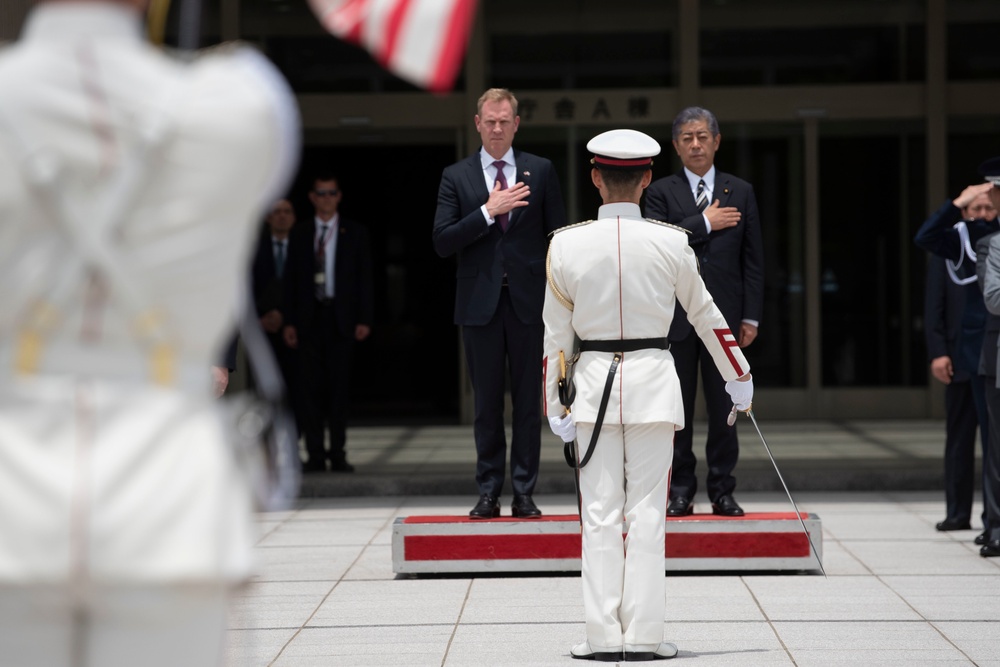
{"type": "Point", "coordinates": [495, 211]}
{"type": "Point", "coordinates": [329, 307]}
{"type": "Point", "coordinates": [267, 288]}
{"type": "Point", "coordinates": [720, 211]}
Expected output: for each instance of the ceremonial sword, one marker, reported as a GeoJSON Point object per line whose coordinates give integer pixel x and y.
{"type": "Point", "coordinates": [798, 515]}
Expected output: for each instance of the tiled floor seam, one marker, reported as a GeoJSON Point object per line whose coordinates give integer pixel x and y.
{"type": "Point", "coordinates": [925, 620]}
{"type": "Point", "coordinates": [458, 622]}
{"type": "Point", "coordinates": [767, 618]}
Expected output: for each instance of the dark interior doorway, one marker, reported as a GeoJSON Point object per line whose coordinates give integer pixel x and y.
{"type": "Point", "coordinates": [407, 371]}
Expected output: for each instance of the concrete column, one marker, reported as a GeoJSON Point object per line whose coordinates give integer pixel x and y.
{"type": "Point", "coordinates": [814, 330]}
{"type": "Point", "coordinates": [937, 104]}
{"type": "Point", "coordinates": [12, 13]}
{"type": "Point", "coordinates": [687, 53]}
{"type": "Point", "coordinates": [229, 18]}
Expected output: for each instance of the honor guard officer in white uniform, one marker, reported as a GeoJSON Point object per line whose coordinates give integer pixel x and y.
{"type": "Point", "coordinates": [131, 184]}
{"type": "Point", "coordinates": [612, 284]}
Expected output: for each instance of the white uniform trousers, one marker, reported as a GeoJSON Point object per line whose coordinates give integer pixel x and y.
{"type": "Point", "coordinates": [183, 625]}
{"type": "Point", "coordinates": [624, 581]}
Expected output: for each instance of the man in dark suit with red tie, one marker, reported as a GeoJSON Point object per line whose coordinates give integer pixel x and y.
{"type": "Point", "coordinates": [495, 211]}
{"type": "Point", "coordinates": [720, 211]}
{"type": "Point", "coordinates": [329, 307]}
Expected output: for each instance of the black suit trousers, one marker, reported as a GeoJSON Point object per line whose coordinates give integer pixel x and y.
{"type": "Point", "coordinates": [506, 344]}
{"type": "Point", "coordinates": [722, 447]}
{"type": "Point", "coordinates": [991, 456]}
{"type": "Point", "coordinates": [326, 360]}
{"type": "Point", "coordinates": [961, 423]}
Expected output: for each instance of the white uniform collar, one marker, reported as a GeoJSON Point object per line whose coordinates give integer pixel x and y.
{"type": "Point", "coordinates": [709, 178]}
{"type": "Point", "coordinates": [62, 20]}
{"type": "Point", "coordinates": [622, 209]}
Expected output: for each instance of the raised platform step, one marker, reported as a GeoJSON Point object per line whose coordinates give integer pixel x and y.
{"type": "Point", "coordinates": [451, 544]}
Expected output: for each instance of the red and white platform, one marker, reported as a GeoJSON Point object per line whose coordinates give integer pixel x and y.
{"type": "Point", "coordinates": [756, 541]}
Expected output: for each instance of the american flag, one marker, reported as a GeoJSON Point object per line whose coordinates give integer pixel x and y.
{"type": "Point", "coordinates": [422, 41]}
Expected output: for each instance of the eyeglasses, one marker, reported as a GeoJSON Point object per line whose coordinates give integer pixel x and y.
{"type": "Point", "coordinates": [326, 193]}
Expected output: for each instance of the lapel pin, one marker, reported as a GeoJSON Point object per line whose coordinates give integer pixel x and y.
{"type": "Point", "coordinates": [527, 173]}
{"type": "Point", "coordinates": [725, 191]}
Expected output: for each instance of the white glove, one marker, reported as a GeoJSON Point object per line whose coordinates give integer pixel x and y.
{"type": "Point", "coordinates": [741, 393]}
{"type": "Point", "coordinates": [563, 427]}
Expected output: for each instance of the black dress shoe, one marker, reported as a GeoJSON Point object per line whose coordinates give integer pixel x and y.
{"type": "Point", "coordinates": [990, 549]}
{"type": "Point", "coordinates": [953, 524]}
{"type": "Point", "coordinates": [726, 506]}
{"type": "Point", "coordinates": [314, 466]}
{"type": "Point", "coordinates": [584, 652]}
{"type": "Point", "coordinates": [664, 651]}
{"type": "Point", "coordinates": [341, 466]}
{"type": "Point", "coordinates": [680, 507]}
{"type": "Point", "coordinates": [524, 507]}
{"type": "Point", "coordinates": [488, 507]}
{"type": "Point", "coordinates": [981, 538]}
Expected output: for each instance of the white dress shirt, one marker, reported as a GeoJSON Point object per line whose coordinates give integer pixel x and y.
{"type": "Point", "coordinates": [490, 174]}
{"type": "Point", "coordinates": [332, 225]}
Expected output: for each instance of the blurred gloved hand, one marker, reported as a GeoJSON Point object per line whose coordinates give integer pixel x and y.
{"type": "Point", "coordinates": [564, 427]}
{"type": "Point", "coordinates": [741, 392]}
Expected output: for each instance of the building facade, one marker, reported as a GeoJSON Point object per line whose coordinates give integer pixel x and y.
{"type": "Point", "coordinates": [852, 118]}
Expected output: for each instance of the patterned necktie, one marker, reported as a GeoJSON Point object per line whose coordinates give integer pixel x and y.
{"type": "Point", "coordinates": [503, 218]}
{"type": "Point", "coordinates": [321, 262]}
{"type": "Point", "coordinates": [701, 201]}
{"type": "Point", "coordinates": [279, 259]}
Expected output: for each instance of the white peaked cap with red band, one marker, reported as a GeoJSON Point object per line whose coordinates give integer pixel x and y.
{"type": "Point", "coordinates": [623, 149]}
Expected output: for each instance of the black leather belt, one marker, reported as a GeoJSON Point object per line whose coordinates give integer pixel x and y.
{"type": "Point", "coordinates": [624, 345]}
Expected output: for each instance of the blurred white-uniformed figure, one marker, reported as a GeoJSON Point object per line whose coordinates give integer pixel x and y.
{"type": "Point", "coordinates": [612, 284]}
{"type": "Point", "coordinates": [131, 184]}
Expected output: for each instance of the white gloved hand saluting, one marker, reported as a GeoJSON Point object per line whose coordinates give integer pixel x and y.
{"type": "Point", "coordinates": [563, 427]}
{"type": "Point", "coordinates": [741, 392]}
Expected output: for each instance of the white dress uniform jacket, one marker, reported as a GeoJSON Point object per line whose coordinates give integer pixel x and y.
{"type": "Point", "coordinates": [114, 460]}
{"type": "Point", "coordinates": [618, 278]}
{"type": "Point", "coordinates": [614, 279]}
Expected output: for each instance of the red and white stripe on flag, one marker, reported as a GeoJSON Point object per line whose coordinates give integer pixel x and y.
{"type": "Point", "coordinates": [422, 41]}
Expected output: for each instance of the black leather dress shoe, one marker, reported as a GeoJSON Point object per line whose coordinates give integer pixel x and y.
{"type": "Point", "coordinates": [680, 507]}
{"type": "Point", "coordinates": [953, 524]}
{"type": "Point", "coordinates": [726, 506]}
{"type": "Point", "coordinates": [314, 466]}
{"type": "Point", "coordinates": [584, 652]}
{"type": "Point", "coordinates": [488, 507]}
{"type": "Point", "coordinates": [981, 538]}
{"type": "Point", "coordinates": [990, 549]}
{"type": "Point", "coordinates": [341, 466]}
{"type": "Point", "coordinates": [524, 507]}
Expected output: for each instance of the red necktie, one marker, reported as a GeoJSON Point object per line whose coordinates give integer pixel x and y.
{"type": "Point", "coordinates": [502, 218]}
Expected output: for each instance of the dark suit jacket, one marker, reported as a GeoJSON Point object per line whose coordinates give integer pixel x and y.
{"type": "Point", "coordinates": [485, 252]}
{"type": "Point", "coordinates": [944, 309]}
{"type": "Point", "coordinates": [353, 287]}
{"type": "Point", "coordinates": [268, 293]}
{"type": "Point", "coordinates": [731, 260]}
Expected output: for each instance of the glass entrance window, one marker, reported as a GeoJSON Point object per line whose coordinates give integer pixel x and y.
{"type": "Point", "coordinates": [785, 42]}
{"type": "Point", "coordinates": [872, 199]}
